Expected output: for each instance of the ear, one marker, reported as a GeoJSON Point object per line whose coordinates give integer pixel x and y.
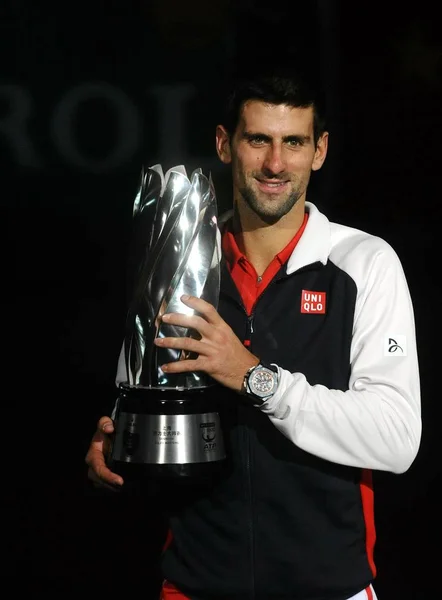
{"type": "Point", "coordinates": [223, 145]}
{"type": "Point", "coordinates": [320, 152]}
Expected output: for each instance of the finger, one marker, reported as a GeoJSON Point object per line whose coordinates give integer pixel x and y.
{"type": "Point", "coordinates": [99, 483]}
{"type": "Point", "coordinates": [188, 344]}
{"type": "Point", "coordinates": [182, 366]}
{"type": "Point", "coordinates": [99, 471]}
{"type": "Point", "coordinates": [105, 424]}
{"type": "Point", "coordinates": [188, 321]}
{"type": "Point", "coordinates": [101, 442]}
{"type": "Point", "coordinates": [204, 308]}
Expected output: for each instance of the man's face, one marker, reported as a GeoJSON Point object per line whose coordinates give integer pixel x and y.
{"type": "Point", "coordinates": [272, 153]}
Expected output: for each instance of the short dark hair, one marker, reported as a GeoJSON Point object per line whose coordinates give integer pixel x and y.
{"type": "Point", "coordinates": [280, 86]}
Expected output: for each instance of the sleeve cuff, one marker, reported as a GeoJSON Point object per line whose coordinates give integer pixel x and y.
{"type": "Point", "coordinates": [287, 397]}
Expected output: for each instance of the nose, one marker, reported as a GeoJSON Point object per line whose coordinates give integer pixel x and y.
{"type": "Point", "coordinates": [274, 160]}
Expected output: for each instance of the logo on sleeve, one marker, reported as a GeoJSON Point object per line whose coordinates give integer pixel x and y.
{"type": "Point", "coordinates": [395, 345]}
{"type": "Point", "coordinates": [313, 302]}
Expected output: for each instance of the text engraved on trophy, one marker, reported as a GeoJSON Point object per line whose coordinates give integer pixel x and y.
{"type": "Point", "coordinates": [166, 436]}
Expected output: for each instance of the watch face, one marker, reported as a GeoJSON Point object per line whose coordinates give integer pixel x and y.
{"type": "Point", "coordinates": [262, 382]}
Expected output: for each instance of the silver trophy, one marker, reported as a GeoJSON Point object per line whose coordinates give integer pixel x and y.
{"type": "Point", "coordinates": [168, 424]}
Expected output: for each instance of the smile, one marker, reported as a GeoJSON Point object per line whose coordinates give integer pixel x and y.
{"type": "Point", "coordinates": [272, 186]}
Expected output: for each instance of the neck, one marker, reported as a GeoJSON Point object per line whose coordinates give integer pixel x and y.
{"type": "Point", "coordinates": [261, 242]}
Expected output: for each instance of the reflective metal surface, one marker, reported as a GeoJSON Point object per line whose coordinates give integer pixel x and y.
{"type": "Point", "coordinates": [169, 439]}
{"type": "Point", "coordinates": [175, 251]}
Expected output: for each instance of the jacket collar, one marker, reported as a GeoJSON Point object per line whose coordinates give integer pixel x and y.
{"type": "Point", "coordinates": [314, 245]}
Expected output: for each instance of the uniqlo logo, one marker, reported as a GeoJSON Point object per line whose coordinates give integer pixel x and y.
{"type": "Point", "coordinates": [313, 302]}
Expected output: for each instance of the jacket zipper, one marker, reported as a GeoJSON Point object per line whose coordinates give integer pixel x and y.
{"type": "Point", "coordinates": [250, 319]}
{"type": "Point", "coordinates": [251, 532]}
{"type": "Point", "coordinates": [246, 459]}
{"type": "Point", "coordinates": [249, 332]}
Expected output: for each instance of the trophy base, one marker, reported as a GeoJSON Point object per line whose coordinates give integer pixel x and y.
{"type": "Point", "coordinates": [179, 473]}
{"type": "Point", "coordinates": [167, 433]}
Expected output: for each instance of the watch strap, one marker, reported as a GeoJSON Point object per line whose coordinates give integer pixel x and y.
{"type": "Point", "coordinates": [246, 378]}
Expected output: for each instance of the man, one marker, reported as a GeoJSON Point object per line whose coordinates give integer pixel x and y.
{"type": "Point", "coordinates": [315, 326]}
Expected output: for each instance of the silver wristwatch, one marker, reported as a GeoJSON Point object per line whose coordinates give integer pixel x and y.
{"type": "Point", "coordinates": [261, 382]}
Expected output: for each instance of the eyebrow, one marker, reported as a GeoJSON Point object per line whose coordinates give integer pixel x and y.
{"type": "Point", "coordinates": [248, 135]}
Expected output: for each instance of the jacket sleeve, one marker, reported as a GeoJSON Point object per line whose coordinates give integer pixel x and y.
{"type": "Point", "coordinates": [376, 423]}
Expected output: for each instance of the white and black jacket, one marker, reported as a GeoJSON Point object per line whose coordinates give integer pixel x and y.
{"type": "Point", "coordinates": [374, 423]}
{"type": "Point", "coordinates": [292, 515]}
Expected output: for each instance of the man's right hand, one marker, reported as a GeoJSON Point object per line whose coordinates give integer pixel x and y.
{"type": "Point", "coordinates": [99, 449]}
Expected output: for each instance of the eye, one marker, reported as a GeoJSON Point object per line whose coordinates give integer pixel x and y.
{"type": "Point", "coordinates": [293, 143]}
{"type": "Point", "coordinates": [257, 140]}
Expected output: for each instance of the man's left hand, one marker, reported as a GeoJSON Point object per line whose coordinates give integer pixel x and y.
{"type": "Point", "coordinates": [220, 353]}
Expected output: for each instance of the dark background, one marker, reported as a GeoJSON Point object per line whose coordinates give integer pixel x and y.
{"type": "Point", "coordinates": [89, 92]}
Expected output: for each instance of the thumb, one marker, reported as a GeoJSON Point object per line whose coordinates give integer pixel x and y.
{"type": "Point", "coordinates": [106, 425]}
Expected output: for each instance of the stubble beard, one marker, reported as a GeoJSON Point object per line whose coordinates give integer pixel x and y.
{"type": "Point", "coordinates": [273, 211]}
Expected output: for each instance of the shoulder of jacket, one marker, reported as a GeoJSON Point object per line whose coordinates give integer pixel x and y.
{"type": "Point", "coordinates": [347, 242]}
